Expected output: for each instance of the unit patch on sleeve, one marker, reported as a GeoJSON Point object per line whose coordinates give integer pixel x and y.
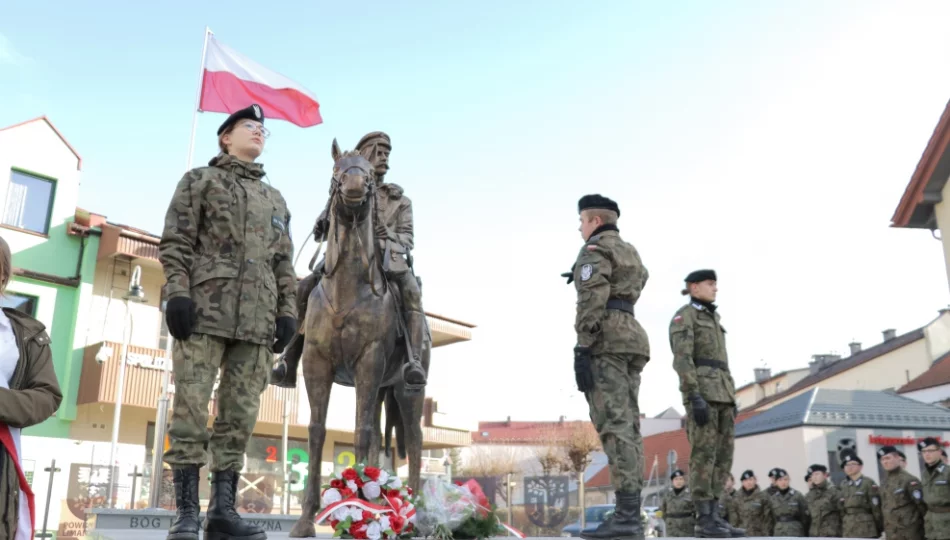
{"type": "Point", "coordinates": [586, 272]}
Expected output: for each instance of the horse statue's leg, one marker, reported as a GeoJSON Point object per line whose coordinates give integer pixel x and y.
{"type": "Point", "coordinates": [318, 377]}
{"type": "Point", "coordinates": [376, 443]}
{"type": "Point", "coordinates": [370, 371]}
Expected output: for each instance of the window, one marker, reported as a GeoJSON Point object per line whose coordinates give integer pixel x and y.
{"type": "Point", "coordinates": [22, 302]}
{"type": "Point", "coordinates": [29, 202]}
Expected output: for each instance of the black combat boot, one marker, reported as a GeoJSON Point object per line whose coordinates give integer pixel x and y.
{"type": "Point", "coordinates": [624, 523]}
{"type": "Point", "coordinates": [284, 375]}
{"type": "Point", "coordinates": [413, 373]}
{"type": "Point", "coordinates": [222, 521]}
{"type": "Point", "coordinates": [185, 526]}
{"type": "Point", "coordinates": [735, 532]}
{"type": "Point", "coordinates": [706, 525]}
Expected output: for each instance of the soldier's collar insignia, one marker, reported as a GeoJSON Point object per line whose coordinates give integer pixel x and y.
{"type": "Point", "coordinates": [698, 306]}
{"type": "Point", "coordinates": [940, 468]}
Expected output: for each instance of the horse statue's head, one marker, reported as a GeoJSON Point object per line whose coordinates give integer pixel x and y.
{"type": "Point", "coordinates": [353, 176]}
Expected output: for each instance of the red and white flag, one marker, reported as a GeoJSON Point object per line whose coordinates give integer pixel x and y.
{"type": "Point", "coordinates": [232, 81]}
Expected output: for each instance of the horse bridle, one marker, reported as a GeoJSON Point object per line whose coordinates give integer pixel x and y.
{"type": "Point", "coordinates": [335, 196]}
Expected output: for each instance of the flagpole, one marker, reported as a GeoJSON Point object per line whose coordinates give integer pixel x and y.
{"type": "Point", "coordinates": [194, 110]}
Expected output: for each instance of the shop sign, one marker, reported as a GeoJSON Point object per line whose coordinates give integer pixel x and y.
{"type": "Point", "coordinates": [883, 440]}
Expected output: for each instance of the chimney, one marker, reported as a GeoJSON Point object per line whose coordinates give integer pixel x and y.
{"type": "Point", "coordinates": [561, 419]}
{"type": "Point", "coordinates": [889, 334]}
{"type": "Point", "coordinates": [508, 421]}
{"type": "Point", "coordinates": [762, 374]}
{"type": "Point", "coordinates": [821, 361]}
{"type": "Point", "coordinates": [855, 347]}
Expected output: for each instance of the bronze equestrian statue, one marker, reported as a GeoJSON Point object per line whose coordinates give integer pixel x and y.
{"type": "Point", "coordinates": [394, 232]}
{"type": "Point", "coordinates": [352, 332]}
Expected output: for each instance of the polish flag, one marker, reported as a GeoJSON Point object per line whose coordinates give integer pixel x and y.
{"type": "Point", "coordinates": [232, 81]}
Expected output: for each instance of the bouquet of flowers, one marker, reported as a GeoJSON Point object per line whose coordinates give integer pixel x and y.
{"type": "Point", "coordinates": [458, 511]}
{"type": "Point", "coordinates": [367, 503]}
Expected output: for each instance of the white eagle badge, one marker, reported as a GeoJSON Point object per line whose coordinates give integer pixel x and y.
{"type": "Point", "coordinates": [586, 272]}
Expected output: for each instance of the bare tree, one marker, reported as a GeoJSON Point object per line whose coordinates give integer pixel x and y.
{"type": "Point", "coordinates": [581, 442]}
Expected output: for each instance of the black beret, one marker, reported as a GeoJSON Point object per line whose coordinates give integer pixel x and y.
{"type": "Point", "coordinates": [747, 474]}
{"type": "Point", "coordinates": [597, 202]}
{"type": "Point", "coordinates": [780, 473]}
{"type": "Point", "coordinates": [701, 275]}
{"type": "Point", "coordinates": [885, 450]}
{"type": "Point", "coordinates": [817, 468]}
{"type": "Point", "coordinates": [929, 441]}
{"type": "Point", "coordinates": [252, 112]}
{"type": "Point", "coordinates": [807, 477]}
{"type": "Point", "coordinates": [676, 473]}
{"type": "Point", "coordinates": [901, 454]}
{"type": "Point", "coordinates": [850, 457]}
{"type": "Point", "coordinates": [773, 472]}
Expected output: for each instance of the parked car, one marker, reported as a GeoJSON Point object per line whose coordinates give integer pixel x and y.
{"type": "Point", "coordinates": [597, 514]}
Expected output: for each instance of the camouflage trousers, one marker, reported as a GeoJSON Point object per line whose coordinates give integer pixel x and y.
{"type": "Point", "coordinates": [615, 412]}
{"type": "Point", "coordinates": [710, 457]}
{"type": "Point", "coordinates": [245, 370]}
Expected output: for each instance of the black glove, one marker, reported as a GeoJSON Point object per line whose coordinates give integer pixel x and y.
{"type": "Point", "coordinates": [583, 373]}
{"type": "Point", "coordinates": [180, 317]}
{"type": "Point", "coordinates": [700, 409]}
{"type": "Point", "coordinates": [286, 328]}
{"type": "Point", "coordinates": [569, 276]}
{"type": "Point", "coordinates": [735, 411]}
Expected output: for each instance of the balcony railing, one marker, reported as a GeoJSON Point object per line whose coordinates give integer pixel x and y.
{"type": "Point", "coordinates": [98, 382]}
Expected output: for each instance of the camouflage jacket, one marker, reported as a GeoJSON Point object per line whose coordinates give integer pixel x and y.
{"type": "Point", "coordinates": [609, 268]}
{"type": "Point", "coordinates": [860, 505]}
{"type": "Point", "coordinates": [790, 511]}
{"type": "Point", "coordinates": [696, 334]}
{"type": "Point", "coordinates": [902, 499]}
{"type": "Point", "coordinates": [823, 507]}
{"type": "Point", "coordinates": [227, 245]}
{"type": "Point", "coordinates": [678, 513]}
{"type": "Point", "coordinates": [394, 211]}
{"type": "Point", "coordinates": [936, 482]}
{"type": "Point", "coordinates": [754, 512]}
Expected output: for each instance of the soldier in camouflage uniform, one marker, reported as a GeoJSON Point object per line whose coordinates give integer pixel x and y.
{"type": "Point", "coordinates": [226, 252]}
{"type": "Point", "coordinates": [789, 508]}
{"type": "Point", "coordinates": [772, 486]}
{"type": "Point", "coordinates": [676, 508]}
{"type": "Point", "coordinates": [822, 501]}
{"type": "Point", "coordinates": [751, 507]}
{"type": "Point", "coordinates": [859, 502]}
{"type": "Point", "coordinates": [612, 349]}
{"type": "Point", "coordinates": [698, 342]}
{"type": "Point", "coordinates": [936, 483]}
{"type": "Point", "coordinates": [395, 237]}
{"type": "Point", "coordinates": [902, 499]}
{"type": "Point", "coordinates": [725, 500]}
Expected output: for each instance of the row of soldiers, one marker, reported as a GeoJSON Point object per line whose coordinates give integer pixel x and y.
{"type": "Point", "coordinates": [904, 506]}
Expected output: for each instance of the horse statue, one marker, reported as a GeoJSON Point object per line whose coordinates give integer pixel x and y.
{"type": "Point", "coordinates": [352, 334]}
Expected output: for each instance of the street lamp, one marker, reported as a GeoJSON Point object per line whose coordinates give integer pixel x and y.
{"type": "Point", "coordinates": [161, 419]}
{"type": "Point", "coordinates": [136, 294]}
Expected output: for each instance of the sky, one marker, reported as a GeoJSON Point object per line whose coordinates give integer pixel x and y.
{"type": "Point", "coordinates": [770, 141]}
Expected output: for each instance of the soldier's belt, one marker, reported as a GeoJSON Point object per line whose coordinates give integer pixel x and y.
{"type": "Point", "coordinates": [679, 515]}
{"type": "Point", "coordinates": [708, 362]}
{"type": "Point", "coordinates": [939, 509]}
{"type": "Point", "coordinates": [620, 305]}
{"type": "Point", "coordinates": [788, 519]}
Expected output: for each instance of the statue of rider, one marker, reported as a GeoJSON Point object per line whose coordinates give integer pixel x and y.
{"type": "Point", "coordinates": [394, 234]}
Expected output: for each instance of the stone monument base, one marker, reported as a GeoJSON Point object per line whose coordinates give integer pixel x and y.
{"type": "Point", "coordinates": [112, 523]}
